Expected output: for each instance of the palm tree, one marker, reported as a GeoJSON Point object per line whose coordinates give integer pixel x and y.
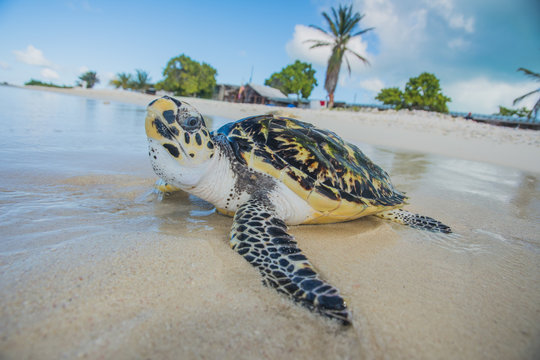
{"type": "Point", "coordinates": [91, 79]}
{"type": "Point", "coordinates": [141, 81]}
{"type": "Point", "coordinates": [342, 27]}
{"type": "Point", "coordinates": [536, 106]}
{"type": "Point", "coordinates": [121, 80]}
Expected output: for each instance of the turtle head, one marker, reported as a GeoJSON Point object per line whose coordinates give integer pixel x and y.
{"type": "Point", "coordinates": [179, 142]}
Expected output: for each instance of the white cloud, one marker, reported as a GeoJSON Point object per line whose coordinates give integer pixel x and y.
{"type": "Point", "coordinates": [401, 30]}
{"type": "Point", "coordinates": [32, 56]}
{"type": "Point", "coordinates": [4, 65]}
{"type": "Point", "coordinates": [483, 95]}
{"type": "Point", "coordinates": [299, 48]}
{"type": "Point", "coordinates": [456, 20]}
{"type": "Point", "coordinates": [49, 74]}
{"type": "Point", "coordinates": [373, 84]}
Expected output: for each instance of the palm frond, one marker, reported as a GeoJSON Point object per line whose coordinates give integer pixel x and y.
{"type": "Point", "coordinates": [331, 24]}
{"type": "Point", "coordinates": [348, 65]}
{"type": "Point", "coordinates": [336, 20]}
{"type": "Point", "coordinates": [318, 43]}
{"type": "Point", "coordinates": [530, 73]}
{"type": "Point", "coordinates": [362, 31]}
{"type": "Point", "coordinates": [517, 100]}
{"type": "Point", "coordinates": [349, 20]}
{"type": "Point", "coordinates": [535, 109]}
{"type": "Point", "coordinates": [364, 60]}
{"type": "Point", "coordinates": [319, 28]}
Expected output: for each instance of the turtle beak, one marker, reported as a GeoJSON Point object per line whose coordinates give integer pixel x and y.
{"type": "Point", "coordinates": [160, 114]}
{"type": "Point", "coordinates": [161, 126]}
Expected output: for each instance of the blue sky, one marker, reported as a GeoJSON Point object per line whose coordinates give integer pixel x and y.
{"type": "Point", "coordinates": [473, 47]}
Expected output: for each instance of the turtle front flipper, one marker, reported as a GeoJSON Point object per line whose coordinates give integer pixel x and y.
{"type": "Point", "coordinates": [161, 186]}
{"type": "Point", "coordinates": [414, 220]}
{"type": "Point", "coordinates": [263, 240]}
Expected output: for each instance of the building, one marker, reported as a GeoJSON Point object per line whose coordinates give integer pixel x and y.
{"type": "Point", "coordinates": [256, 94]}
{"type": "Point", "coordinates": [261, 94]}
{"type": "Point", "coordinates": [226, 92]}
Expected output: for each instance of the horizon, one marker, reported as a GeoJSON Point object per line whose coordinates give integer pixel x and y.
{"type": "Point", "coordinates": [474, 49]}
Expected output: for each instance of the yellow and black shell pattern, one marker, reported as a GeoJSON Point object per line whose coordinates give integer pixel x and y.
{"type": "Point", "coordinates": [336, 179]}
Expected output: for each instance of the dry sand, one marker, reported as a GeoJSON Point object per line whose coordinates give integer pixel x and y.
{"type": "Point", "coordinates": [118, 275]}
{"type": "Point", "coordinates": [419, 131]}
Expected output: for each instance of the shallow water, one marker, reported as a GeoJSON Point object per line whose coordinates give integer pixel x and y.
{"type": "Point", "coordinates": [91, 263]}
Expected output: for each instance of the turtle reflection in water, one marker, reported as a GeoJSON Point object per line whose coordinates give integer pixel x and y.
{"type": "Point", "coordinates": [268, 172]}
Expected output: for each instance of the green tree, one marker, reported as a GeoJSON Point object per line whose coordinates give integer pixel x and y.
{"type": "Point", "coordinates": [297, 78]}
{"type": "Point", "coordinates": [91, 79]}
{"type": "Point", "coordinates": [421, 93]}
{"type": "Point", "coordinates": [342, 28]}
{"type": "Point", "coordinates": [141, 80]}
{"type": "Point", "coordinates": [391, 96]}
{"type": "Point", "coordinates": [187, 77]}
{"type": "Point", "coordinates": [122, 80]}
{"type": "Point", "coordinates": [536, 107]}
{"type": "Point", "coordinates": [424, 93]}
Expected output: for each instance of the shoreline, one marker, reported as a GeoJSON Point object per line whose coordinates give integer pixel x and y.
{"type": "Point", "coordinates": [414, 131]}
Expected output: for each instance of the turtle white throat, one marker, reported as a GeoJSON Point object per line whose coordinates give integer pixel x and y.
{"type": "Point", "coordinates": [183, 153]}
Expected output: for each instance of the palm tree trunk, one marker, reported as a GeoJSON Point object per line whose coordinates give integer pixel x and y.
{"type": "Point", "coordinates": [332, 74]}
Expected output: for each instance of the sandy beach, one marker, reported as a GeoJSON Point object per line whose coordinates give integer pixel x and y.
{"type": "Point", "coordinates": [407, 130]}
{"type": "Point", "coordinates": [95, 266]}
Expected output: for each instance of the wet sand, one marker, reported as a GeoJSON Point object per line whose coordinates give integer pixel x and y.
{"type": "Point", "coordinates": [94, 266]}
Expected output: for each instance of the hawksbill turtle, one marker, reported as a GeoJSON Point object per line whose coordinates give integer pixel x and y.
{"type": "Point", "coordinates": [268, 172]}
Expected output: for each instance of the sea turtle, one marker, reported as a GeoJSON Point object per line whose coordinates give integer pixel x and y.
{"type": "Point", "coordinates": [268, 172]}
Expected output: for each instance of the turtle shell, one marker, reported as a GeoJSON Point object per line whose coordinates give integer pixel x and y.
{"type": "Point", "coordinates": [337, 180]}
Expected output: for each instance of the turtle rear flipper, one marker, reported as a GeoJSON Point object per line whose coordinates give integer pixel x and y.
{"type": "Point", "coordinates": [414, 220]}
{"type": "Point", "coordinates": [262, 239]}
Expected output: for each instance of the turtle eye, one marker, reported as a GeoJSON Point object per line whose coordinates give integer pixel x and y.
{"type": "Point", "coordinates": [191, 123]}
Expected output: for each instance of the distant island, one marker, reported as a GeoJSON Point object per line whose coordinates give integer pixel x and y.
{"type": "Point", "coordinates": [50, 84]}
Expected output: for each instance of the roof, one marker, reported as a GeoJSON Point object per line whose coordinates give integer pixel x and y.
{"type": "Point", "coordinates": [267, 91]}
{"type": "Point", "coordinates": [229, 85]}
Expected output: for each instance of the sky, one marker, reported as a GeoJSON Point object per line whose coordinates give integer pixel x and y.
{"type": "Point", "coordinates": [473, 46]}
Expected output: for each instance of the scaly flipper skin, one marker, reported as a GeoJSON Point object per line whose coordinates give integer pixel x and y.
{"type": "Point", "coordinates": [263, 240]}
{"type": "Point", "coordinates": [414, 220]}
